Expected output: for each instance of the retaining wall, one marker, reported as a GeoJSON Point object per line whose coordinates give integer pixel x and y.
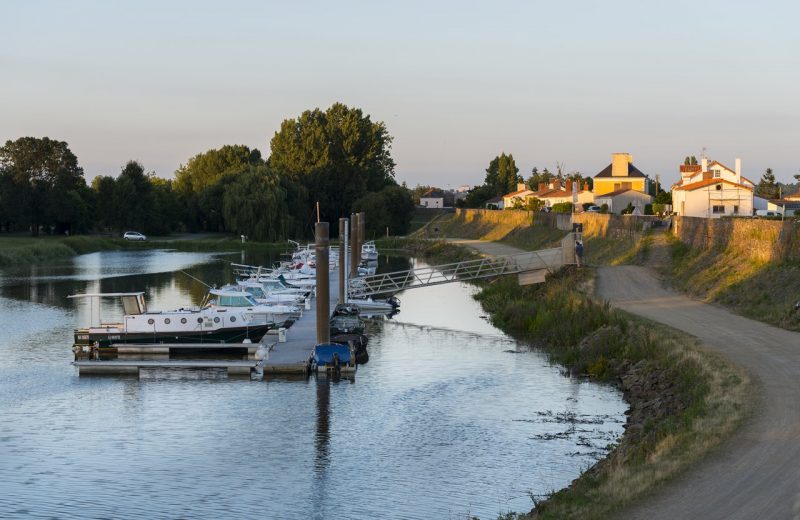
{"type": "Point", "coordinates": [755, 239]}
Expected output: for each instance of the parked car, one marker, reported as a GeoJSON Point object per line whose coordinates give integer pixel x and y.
{"type": "Point", "coordinates": [133, 235]}
{"type": "Point", "coordinates": [767, 213]}
{"type": "Point", "coordinates": [593, 209]}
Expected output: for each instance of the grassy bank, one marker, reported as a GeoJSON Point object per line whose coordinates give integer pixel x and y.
{"type": "Point", "coordinates": [762, 290]}
{"type": "Point", "coordinates": [684, 400]}
{"type": "Point", "coordinates": [27, 250]}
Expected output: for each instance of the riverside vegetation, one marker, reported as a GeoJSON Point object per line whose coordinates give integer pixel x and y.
{"type": "Point", "coordinates": [684, 399]}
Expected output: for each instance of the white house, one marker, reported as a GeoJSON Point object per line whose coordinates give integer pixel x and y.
{"type": "Point", "coordinates": [518, 197]}
{"type": "Point", "coordinates": [712, 190]}
{"type": "Point", "coordinates": [433, 198]}
{"type": "Point", "coordinates": [618, 201]}
{"type": "Point", "coordinates": [557, 195]}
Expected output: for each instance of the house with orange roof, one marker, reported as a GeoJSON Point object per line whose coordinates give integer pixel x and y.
{"type": "Point", "coordinates": [713, 190]}
{"type": "Point", "coordinates": [518, 197]}
{"type": "Point", "coordinates": [556, 194]}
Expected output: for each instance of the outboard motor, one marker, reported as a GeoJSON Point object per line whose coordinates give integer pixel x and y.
{"type": "Point", "coordinates": [394, 301]}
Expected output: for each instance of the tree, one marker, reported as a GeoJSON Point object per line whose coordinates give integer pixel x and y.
{"type": "Point", "coordinates": [202, 182]}
{"type": "Point", "coordinates": [502, 175]}
{"type": "Point", "coordinates": [338, 155]}
{"type": "Point", "coordinates": [766, 187]}
{"type": "Point", "coordinates": [42, 171]}
{"type": "Point", "coordinates": [562, 207]}
{"type": "Point", "coordinates": [254, 204]}
{"type": "Point", "coordinates": [391, 208]}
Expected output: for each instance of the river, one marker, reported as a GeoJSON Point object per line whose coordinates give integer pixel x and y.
{"type": "Point", "coordinates": [450, 418]}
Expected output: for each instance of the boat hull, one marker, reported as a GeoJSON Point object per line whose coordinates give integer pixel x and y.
{"type": "Point", "coordinates": [229, 335]}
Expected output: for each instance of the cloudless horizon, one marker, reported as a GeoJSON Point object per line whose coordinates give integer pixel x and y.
{"type": "Point", "coordinates": [455, 84]}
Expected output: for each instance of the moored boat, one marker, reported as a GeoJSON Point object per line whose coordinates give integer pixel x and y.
{"type": "Point", "coordinates": [212, 323]}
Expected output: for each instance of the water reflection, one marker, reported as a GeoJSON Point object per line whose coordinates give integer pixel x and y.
{"type": "Point", "coordinates": [440, 423]}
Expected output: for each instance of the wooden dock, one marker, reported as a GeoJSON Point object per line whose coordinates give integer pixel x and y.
{"type": "Point", "coordinates": [248, 349]}
{"type": "Point", "coordinates": [118, 366]}
{"type": "Point", "coordinates": [294, 355]}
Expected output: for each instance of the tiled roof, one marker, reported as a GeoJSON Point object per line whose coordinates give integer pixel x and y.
{"type": "Point", "coordinates": [633, 171]}
{"type": "Point", "coordinates": [709, 182]}
{"type": "Point", "coordinates": [619, 192]}
{"type": "Point", "coordinates": [433, 193]}
{"type": "Point", "coordinates": [519, 192]}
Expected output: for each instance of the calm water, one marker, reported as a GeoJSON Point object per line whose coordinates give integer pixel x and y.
{"type": "Point", "coordinates": [450, 417]}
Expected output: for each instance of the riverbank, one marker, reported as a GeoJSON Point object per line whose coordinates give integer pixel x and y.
{"type": "Point", "coordinates": [684, 399]}
{"type": "Point", "coordinates": [16, 250]}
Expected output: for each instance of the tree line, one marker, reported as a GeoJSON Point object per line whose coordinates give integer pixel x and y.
{"type": "Point", "coordinates": [337, 157]}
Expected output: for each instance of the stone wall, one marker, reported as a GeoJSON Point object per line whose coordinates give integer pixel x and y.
{"type": "Point", "coordinates": [754, 239]}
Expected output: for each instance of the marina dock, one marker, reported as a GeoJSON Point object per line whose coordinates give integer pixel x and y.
{"type": "Point", "coordinates": [293, 356]}
{"type": "Point", "coordinates": [118, 366]}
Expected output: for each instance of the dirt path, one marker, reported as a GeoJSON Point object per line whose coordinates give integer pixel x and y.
{"type": "Point", "coordinates": [756, 473]}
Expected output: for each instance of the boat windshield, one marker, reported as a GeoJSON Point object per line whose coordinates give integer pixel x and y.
{"type": "Point", "coordinates": [255, 291]}
{"type": "Point", "coordinates": [237, 301]}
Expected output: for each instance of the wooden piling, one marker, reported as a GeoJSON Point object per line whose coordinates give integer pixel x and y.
{"type": "Point", "coordinates": [355, 250]}
{"type": "Point", "coordinates": [342, 256]}
{"type": "Point", "coordinates": [322, 243]}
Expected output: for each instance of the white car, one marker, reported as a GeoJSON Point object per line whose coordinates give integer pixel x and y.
{"type": "Point", "coordinates": [133, 235]}
{"type": "Point", "coordinates": [593, 209]}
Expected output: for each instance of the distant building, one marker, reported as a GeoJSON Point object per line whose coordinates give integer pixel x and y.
{"type": "Point", "coordinates": [620, 175]}
{"type": "Point", "coordinates": [712, 190]}
{"type": "Point", "coordinates": [494, 203]}
{"type": "Point", "coordinates": [618, 201]}
{"type": "Point", "coordinates": [433, 198]}
{"type": "Point", "coordinates": [555, 194]}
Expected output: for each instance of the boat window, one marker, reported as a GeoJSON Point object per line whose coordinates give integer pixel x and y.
{"type": "Point", "coordinates": [199, 320]}
{"type": "Point", "coordinates": [233, 318]}
{"type": "Point", "coordinates": [183, 320]}
{"type": "Point", "coordinates": [167, 321]}
{"type": "Point", "coordinates": [216, 319]}
{"type": "Point", "coordinates": [258, 292]}
{"type": "Point", "coordinates": [151, 321]}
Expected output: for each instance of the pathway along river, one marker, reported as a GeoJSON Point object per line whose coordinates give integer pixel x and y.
{"type": "Point", "coordinates": [449, 418]}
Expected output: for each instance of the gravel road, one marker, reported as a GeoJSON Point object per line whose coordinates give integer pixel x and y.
{"type": "Point", "coordinates": [756, 473]}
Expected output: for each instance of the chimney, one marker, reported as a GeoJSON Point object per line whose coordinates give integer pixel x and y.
{"type": "Point", "coordinates": [569, 186]}
{"type": "Point", "coordinates": [619, 164]}
{"type": "Point", "coordinates": [585, 186]}
{"type": "Point", "coordinates": [542, 186]}
{"type": "Point", "coordinates": [704, 164]}
{"type": "Point", "coordinates": [738, 170]}
{"type": "Point", "coordinates": [521, 186]}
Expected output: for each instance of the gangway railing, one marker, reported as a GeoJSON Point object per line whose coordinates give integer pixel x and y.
{"type": "Point", "coordinates": [488, 267]}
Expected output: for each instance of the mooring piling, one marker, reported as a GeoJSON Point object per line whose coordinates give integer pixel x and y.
{"type": "Point", "coordinates": [322, 243]}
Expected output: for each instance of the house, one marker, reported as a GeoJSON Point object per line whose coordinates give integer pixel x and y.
{"type": "Point", "coordinates": [433, 198]}
{"type": "Point", "coordinates": [786, 206]}
{"type": "Point", "coordinates": [619, 200]}
{"type": "Point", "coordinates": [518, 197]}
{"type": "Point", "coordinates": [494, 203]}
{"type": "Point", "coordinates": [557, 195]}
{"type": "Point", "coordinates": [621, 174]}
{"type": "Point", "coordinates": [712, 190]}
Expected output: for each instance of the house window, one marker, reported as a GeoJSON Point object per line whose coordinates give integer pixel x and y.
{"type": "Point", "coordinates": [736, 210]}
{"type": "Point", "coordinates": [627, 185]}
{"type": "Point", "coordinates": [718, 209]}
{"type": "Point", "coordinates": [717, 174]}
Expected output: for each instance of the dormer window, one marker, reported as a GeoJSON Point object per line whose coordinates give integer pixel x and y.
{"type": "Point", "coordinates": [717, 174]}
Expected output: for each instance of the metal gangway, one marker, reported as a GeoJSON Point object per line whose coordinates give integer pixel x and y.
{"type": "Point", "coordinates": [538, 263]}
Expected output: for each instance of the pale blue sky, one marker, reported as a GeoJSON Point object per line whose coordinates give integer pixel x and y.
{"type": "Point", "coordinates": [455, 82]}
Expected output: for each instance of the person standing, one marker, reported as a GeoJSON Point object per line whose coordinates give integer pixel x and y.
{"type": "Point", "coordinates": [579, 253]}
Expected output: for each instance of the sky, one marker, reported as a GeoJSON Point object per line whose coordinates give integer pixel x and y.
{"type": "Point", "coordinates": [455, 82]}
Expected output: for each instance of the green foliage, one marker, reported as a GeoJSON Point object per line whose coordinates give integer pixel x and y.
{"type": "Point", "coordinates": [534, 204]}
{"type": "Point", "coordinates": [604, 208]}
{"type": "Point", "coordinates": [563, 207]}
{"type": "Point", "coordinates": [502, 175]}
{"type": "Point", "coordinates": [254, 204]}
{"type": "Point", "coordinates": [391, 208]}
{"type": "Point", "coordinates": [477, 196]}
{"type": "Point", "coordinates": [766, 187]}
{"type": "Point", "coordinates": [40, 176]}
{"type": "Point", "coordinates": [338, 155]}
{"type": "Point", "coordinates": [663, 197]}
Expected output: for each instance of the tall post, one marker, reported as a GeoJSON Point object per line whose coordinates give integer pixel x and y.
{"type": "Point", "coordinates": [362, 232]}
{"type": "Point", "coordinates": [322, 243]}
{"type": "Point", "coordinates": [342, 259]}
{"type": "Point", "coordinates": [353, 243]}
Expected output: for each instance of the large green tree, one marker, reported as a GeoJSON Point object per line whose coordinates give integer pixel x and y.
{"type": "Point", "coordinates": [255, 204]}
{"type": "Point", "coordinates": [390, 209]}
{"type": "Point", "coordinates": [41, 175]}
{"type": "Point", "coordinates": [203, 179]}
{"type": "Point", "coordinates": [338, 155]}
{"type": "Point", "coordinates": [502, 175]}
